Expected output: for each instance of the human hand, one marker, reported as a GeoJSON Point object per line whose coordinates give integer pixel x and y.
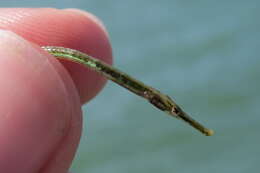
{"type": "Point", "coordinates": [40, 115]}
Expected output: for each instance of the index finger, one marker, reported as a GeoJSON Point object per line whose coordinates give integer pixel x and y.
{"type": "Point", "coordinates": [68, 28]}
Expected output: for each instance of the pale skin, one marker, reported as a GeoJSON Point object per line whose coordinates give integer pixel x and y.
{"type": "Point", "coordinates": [46, 88]}
{"type": "Point", "coordinates": [40, 117]}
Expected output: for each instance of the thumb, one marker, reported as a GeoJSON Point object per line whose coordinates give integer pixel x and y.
{"type": "Point", "coordinates": [40, 116]}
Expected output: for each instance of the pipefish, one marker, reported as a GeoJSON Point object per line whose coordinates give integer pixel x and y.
{"type": "Point", "coordinates": [155, 97]}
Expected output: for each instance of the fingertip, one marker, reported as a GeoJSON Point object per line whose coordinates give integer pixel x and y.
{"type": "Point", "coordinates": [91, 16]}
{"type": "Point", "coordinates": [39, 104]}
{"type": "Point", "coordinates": [67, 28]}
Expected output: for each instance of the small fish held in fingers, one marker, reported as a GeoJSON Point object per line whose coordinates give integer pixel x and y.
{"type": "Point", "coordinates": [155, 97]}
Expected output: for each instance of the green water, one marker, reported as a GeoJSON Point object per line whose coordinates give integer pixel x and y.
{"type": "Point", "coordinates": [203, 53]}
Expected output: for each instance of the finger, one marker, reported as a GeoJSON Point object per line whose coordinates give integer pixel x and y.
{"type": "Point", "coordinates": [68, 28]}
{"type": "Point", "coordinates": [40, 116]}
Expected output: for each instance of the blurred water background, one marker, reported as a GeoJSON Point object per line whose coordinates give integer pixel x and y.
{"type": "Point", "coordinates": [204, 54]}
